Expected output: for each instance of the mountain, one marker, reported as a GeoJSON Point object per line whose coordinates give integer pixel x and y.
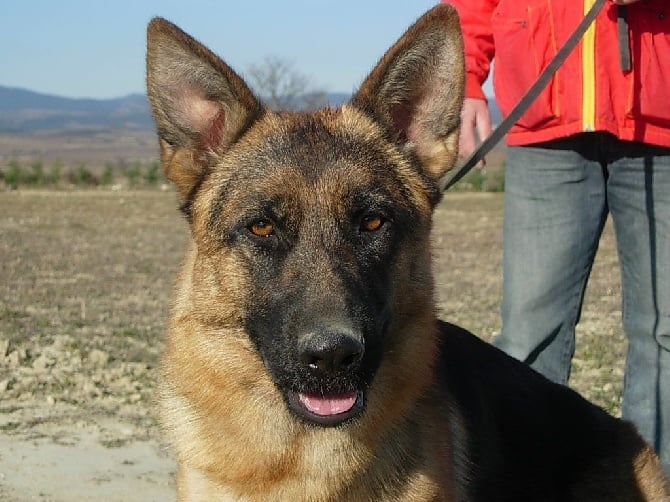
{"type": "Point", "coordinates": [22, 110]}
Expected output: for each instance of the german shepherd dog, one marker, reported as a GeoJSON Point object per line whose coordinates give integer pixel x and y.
{"type": "Point", "coordinates": [303, 359]}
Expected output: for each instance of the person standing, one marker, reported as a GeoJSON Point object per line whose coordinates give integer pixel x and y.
{"type": "Point", "coordinates": [595, 142]}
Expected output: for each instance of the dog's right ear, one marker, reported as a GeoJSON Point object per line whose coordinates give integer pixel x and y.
{"type": "Point", "coordinates": [200, 105]}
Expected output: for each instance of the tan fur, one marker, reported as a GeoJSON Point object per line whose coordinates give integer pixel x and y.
{"type": "Point", "coordinates": [647, 472]}
{"type": "Point", "coordinates": [234, 436]}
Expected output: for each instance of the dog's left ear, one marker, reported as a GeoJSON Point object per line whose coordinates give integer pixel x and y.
{"type": "Point", "coordinates": [416, 90]}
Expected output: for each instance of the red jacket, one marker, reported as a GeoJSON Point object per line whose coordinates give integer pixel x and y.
{"type": "Point", "coordinates": [589, 92]}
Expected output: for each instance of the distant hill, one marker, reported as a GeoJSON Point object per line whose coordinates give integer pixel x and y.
{"type": "Point", "coordinates": [22, 110]}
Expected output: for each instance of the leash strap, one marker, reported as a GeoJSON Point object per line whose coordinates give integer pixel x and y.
{"type": "Point", "coordinates": [520, 108]}
{"type": "Point", "coordinates": [624, 47]}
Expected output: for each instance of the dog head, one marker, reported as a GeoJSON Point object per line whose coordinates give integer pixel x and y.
{"type": "Point", "coordinates": [311, 230]}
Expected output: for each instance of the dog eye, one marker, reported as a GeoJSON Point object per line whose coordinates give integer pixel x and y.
{"type": "Point", "coordinates": [371, 223]}
{"type": "Point", "coordinates": [262, 228]}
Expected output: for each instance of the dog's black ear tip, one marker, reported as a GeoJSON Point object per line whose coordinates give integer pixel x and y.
{"type": "Point", "coordinates": [155, 23]}
{"type": "Point", "coordinates": [445, 10]}
{"type": "Point", "coordinates": [443, 15]}
{"type": "Point", "coordinates": [158, 22]}
{"type": "Point", "coordinates": [159, 25]}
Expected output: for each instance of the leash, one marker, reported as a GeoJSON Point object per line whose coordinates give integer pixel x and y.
{"type": "Point", "coordinates": [520, 108]}
{"type": "Point", "coordinates": [624, 47]}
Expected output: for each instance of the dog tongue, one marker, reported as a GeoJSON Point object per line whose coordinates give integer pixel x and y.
{"type": "Point", "coordinates": [328, 405]}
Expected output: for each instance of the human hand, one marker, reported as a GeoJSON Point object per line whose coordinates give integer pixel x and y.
{"type": "Point", "coordinates": [475, 115]}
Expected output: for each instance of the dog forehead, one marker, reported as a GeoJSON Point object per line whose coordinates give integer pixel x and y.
{"type": "Point", "coordinates": [287, 151]}
{"type": "Point", "coordinates": [330, 160]}
{"type": "Point", "coordinates": [322, 139]}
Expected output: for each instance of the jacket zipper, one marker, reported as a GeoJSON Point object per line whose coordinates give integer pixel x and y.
{"type": "Point", "coordinates": [588, 74]}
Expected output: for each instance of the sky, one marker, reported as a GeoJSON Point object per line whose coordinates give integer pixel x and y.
{"type": "Point", "coordinates": [95, 49]}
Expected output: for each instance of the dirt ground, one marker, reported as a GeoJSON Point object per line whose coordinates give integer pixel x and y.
{"type": "Point", "coordinates": [85, 278]}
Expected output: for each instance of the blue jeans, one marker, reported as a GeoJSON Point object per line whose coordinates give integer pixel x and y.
{"type": "Point", "coordinates": [557, 197]}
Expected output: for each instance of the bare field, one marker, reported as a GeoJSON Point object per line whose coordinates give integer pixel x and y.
{"type": "Point", "coordinates": [93, 148]}
{"type": "Point", "coordinates": [85, 282]}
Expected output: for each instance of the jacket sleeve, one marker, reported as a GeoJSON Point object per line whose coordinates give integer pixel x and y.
{"type": "Point", "coordinates": [475, 16]}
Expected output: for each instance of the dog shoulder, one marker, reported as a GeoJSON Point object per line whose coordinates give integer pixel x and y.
{"type": "Point", "coordinates": [513, 416]}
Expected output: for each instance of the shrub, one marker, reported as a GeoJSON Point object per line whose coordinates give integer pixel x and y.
{"type": "Point", "coordinates": [82, 176]}
{"type": "Point", "coordinates": [133, 174]}
{"type": "Point", "coordinates": [36, 176]}
{"type": "Point", "coordinates": [107, 177]}
{"type": "Point", "coordinates": [153, 173]}
{"type": "Point", "coordinates": [12, 175]}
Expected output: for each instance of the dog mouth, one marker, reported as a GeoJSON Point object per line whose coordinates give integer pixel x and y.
{"type": "Point", "coordinates": [327, 409]}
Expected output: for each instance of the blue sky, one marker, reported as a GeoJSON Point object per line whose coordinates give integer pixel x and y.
{"type": "Point", "coordinates": [79, 48]}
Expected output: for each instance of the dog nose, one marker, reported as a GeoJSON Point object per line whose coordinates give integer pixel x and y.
{"type": "Point", "coordinates": [330, 353]}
